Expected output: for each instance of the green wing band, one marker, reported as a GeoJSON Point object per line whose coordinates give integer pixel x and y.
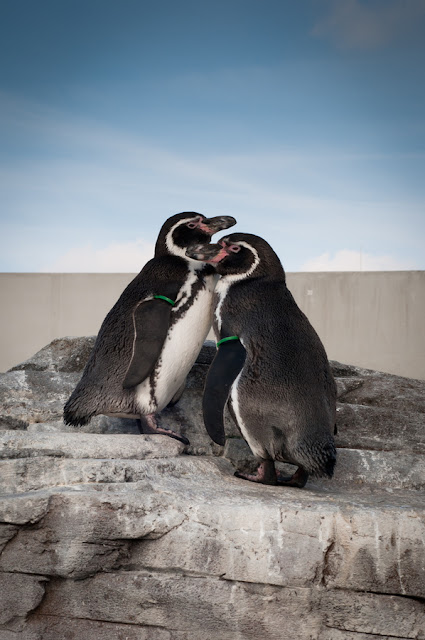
{"type": "Point", "coordinates": [226, 340]}
{"type": "Point", "coordinates": [166, 299]}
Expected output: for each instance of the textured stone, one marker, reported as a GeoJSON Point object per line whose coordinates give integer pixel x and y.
{"type": "Point", "coordinates": [190, 548]}
{"type": "Point", "coordinates": [108, 536]}
{"type": "Point", "coordinates": [204, 608]}
{"type": "Point", "coordinates": [30, 474]}
{"type": "Point", "coordinates": [208, 608]}
{"type": "Point", "coordinates": [52, 627]}
{"type": "Point", "coordinates": [34, 396]}
{"type": "Point", "coordinates": [7, 531]}
{"type": "Point", "coordinates": [19, 594]}
{"type": "Point", "coordinates": [355, 467]}
{"type": "Point", "coordinates": [385, 469]}
{"type": "Point", "coordinates": [377, 389]}
{"type": "Point", "coordinates": [85, 445]}
{"type": "Point", "coordinates": [376, 410]}
{"type": "Point", "coordinates": [63, 354]}
{"type": "Point", "coordinates": [185, 512]}
{"type": "Point", "coordinates": [23, 509]}
{"type": "Point", "coordinates": [373, 614]}
{"type": "Point", "coordinates": [367, 427]}
{"type": "Point", "coordinates": [68, 543]}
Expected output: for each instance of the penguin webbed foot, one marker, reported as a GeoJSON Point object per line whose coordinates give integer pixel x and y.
{"type": "Point", "coordinates": [298, 479]}
{"type": "Point", "coordinates": [148, 425]}
{"type": "Point", "coordinates": [266, 474]}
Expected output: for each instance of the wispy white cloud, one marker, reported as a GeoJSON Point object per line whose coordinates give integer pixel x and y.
{"type": "Point", "coordinates": [102, 163]}
{"type": "Point", "coordinates": [353, 24]}
{"type": "Point", "coordinates": [348, 260]}
{"type": "Point", "coordinates": [127, 257]}
{"type": "Point", "coordinates": [103, 188]}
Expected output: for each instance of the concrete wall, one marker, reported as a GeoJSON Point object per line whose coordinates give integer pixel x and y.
{"type": "Point", "coordinates": [371, 319]}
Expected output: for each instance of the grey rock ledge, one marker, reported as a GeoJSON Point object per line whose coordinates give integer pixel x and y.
{"type": "Point", "coordinates": [111, 535]}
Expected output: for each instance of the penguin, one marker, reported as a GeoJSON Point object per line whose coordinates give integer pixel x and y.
{"type": "Point", "coordinates": [270, 366]}
{"type": "Point", "coordinates": [151, 337]}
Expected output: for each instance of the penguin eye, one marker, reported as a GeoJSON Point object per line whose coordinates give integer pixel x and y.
{"type": "Point", "coordinates": [234, 248]}
{"type": "Point", "coordinates": [192, 225]}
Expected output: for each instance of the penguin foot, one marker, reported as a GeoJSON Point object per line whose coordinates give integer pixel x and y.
{"type": "Point", "coordinates": [147, 424]}
{"type": "Point", "coordinates": [298, 479]}
{"type": "Point", "coordinates": [172, 434]}
{"type": "Point", "coordinates": [265, 474]}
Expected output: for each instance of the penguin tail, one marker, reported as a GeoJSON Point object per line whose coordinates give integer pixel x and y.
{"type": "Point", "coordinates": [73, 415]}
{"type": "Point", "coordinates": [318, 457]}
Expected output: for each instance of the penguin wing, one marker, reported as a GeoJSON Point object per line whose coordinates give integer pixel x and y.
{"type": "Point", "coordinates": [151, 322]}
{"type": "Point", "coordinates": [223, 371]}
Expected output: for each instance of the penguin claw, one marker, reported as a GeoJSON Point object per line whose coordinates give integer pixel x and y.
{"type": "Point", "coordinates": [172, 434]}
{"type": "Point", "coordinates": [148, 425]}
{"type": "Point", "coordinates": [176, 436]}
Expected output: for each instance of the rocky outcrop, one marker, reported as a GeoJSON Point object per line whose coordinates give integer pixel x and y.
{"type": "Point", "coordinates": [106, 534]}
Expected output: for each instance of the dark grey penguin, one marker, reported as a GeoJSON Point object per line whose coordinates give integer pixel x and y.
{"type": "Point", "coordinates": [150, 339]}
{"type": "Point", "coordinates": [270, 366]}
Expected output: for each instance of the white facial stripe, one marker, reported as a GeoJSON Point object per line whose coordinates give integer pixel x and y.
{"type": "Point", "coordinates": [234, 277]}
{"type": "Point", "coordinates": [226, 281]}
{"type": "Point", "coordinates": [175, 250]}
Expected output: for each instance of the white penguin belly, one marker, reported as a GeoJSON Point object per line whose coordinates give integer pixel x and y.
{"type": "Point", "coordinates": [256, 448]}
{"type": "Point", "coordinates": [222, 291]}
{"type": "Point", "coordinates": [182, 344]}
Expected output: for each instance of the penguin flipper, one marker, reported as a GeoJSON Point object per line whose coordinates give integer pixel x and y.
{"type": "Point", "coordinates": [151, 321]}
{"type": "Point", "coordinates": [222, 373]}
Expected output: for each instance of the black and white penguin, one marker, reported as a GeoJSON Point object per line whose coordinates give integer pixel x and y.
{"type": "Point", "coordinates": [151, 337]}
{"type": "Point", "coordinates": [270, 366]}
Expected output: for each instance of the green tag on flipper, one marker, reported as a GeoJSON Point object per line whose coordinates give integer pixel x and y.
{"type": "Point", "coordinates": [226, 340]}
{"type": "Point", "coordinates": [166, 299]}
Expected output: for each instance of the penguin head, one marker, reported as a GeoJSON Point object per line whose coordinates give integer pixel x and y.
{"type": "Point", "coordinates": [239, 255]}
{"type": "Point", "coordinates": [188, 228]}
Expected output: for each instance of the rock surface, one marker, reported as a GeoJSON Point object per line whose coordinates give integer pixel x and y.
{"type": "Point", "coordinates": [110, 535]}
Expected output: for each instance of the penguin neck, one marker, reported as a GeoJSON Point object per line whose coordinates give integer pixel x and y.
{"type": "Point", "coordinates": [201, 268]}
{"type": "Point", "coordinates": [221, 291]}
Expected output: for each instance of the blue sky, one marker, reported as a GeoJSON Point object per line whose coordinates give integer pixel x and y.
{"type": "Point", "coordinates": [304, 120]}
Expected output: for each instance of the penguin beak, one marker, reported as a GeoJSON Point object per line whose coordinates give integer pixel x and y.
{"type": "Point", "coordinates": [210, 253]}
{"type": "Point", "coordinates": [212, 225]}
